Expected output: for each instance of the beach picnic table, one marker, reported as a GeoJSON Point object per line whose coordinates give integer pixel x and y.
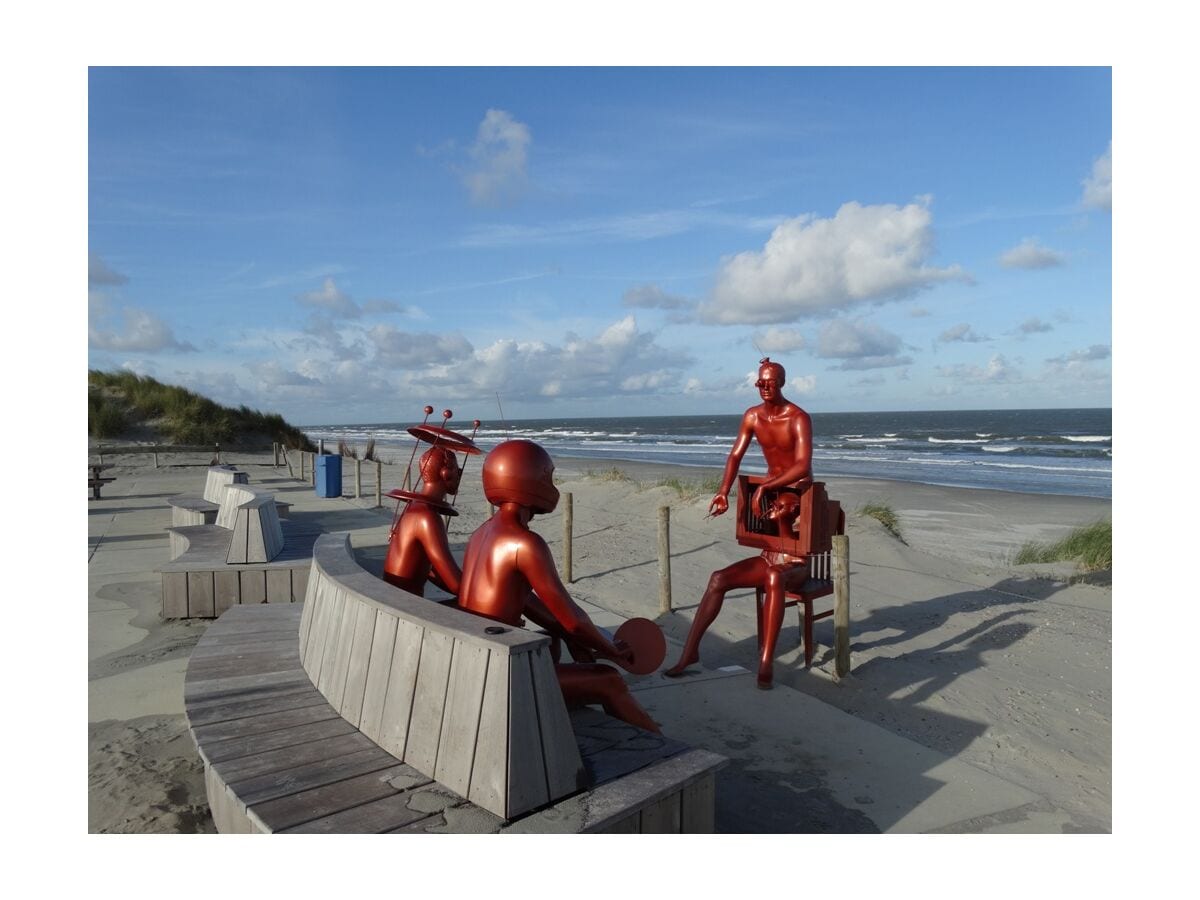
{"type": "Point", "coordinates": [95, 481]}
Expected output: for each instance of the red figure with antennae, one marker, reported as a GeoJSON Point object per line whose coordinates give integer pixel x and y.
{"type": "Point", "coordinates": [419, 548]}
{"type": "Point", "coordinates": [784, 432]}
{"type": "Point", "coordinates": [508, 572]}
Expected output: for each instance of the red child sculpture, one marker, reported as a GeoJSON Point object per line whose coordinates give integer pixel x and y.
{"type": "Point", "coordinates": [784, 432]}
{"type": "Point", "coordinates": [508, 572]}
{"type": "Point", "coordinates": [419, 549]}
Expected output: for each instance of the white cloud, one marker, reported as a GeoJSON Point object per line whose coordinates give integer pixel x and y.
{"type": "Point", "coordinates": [778, 340]}
{"type": "Point", "coordinates": [651, 296]}
{"type": "Point", "coordinates": [138, 331]}
{"type": "Point", "coordinates": [811, 265]}
{"type": "Point", "coordinates": [499, 157]}
{"type": "Point", "coordinates": [99, 272]}
{"type": "Point", "coordinates": [1029, 254]}
{"type": "Point", "coordinates": [961, 332]}
{"type": "Point", "coordinates": [395, 349]}
{"type": "Point", "coordinates": [1094, 353]}
{"type": "Point", "coordinates": [997, 370]}
{"type": "Point", "coordinates": [1034, 326]}
{"type": "Point", "coordinates": [330, 298]}
{"type": "Point", "coordinates": [1097, 187]}
{"type": "Point", "coordinates": [860, 345]}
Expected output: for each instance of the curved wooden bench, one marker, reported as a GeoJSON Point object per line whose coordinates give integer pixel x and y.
{"type": "Point", "coordinates": [202, 509]}
{"type": "Point", "coordinates": [335, 717]}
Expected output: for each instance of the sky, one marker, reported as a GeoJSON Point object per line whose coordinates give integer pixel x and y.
{"type": "Point", "coordinates": [348, 245]}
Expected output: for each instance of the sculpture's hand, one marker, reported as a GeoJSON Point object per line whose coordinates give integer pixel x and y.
{"type": "Point", "coordinates": [756, 501]}
{"type": "Point", "coordinates": [624, 657]}
{"type": "Point", "coordinates": [719, 505]}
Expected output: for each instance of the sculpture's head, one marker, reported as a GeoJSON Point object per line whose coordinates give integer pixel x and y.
{"type": "Point", "coordinates": [770, 379]}
{"type": "Point", "coordinates": [439, 466]}
{"type": "Point", "coordinates": [520, 472]}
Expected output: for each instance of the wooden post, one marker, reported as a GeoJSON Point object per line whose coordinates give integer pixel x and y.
{"type": "Point", "coordinates": [283, 449]}
{"type": "Point", "coordinates": [841, 605]}
{"type": "Point", "coordinates": [568, 527]}
{"type": "Point", "coordinates": [321, 445]}
{"type": "Point", "coordinates": [302, 455]}
{"type": "Point", "coordinates": [156, 457]}
{"type": "Point", "coordinates": [357, 478]}
{"type": "Point", "coordinates": [664, 559]}
{"type": "Point", "coordinates": [274, 454]}
{"type": "Point", "coordinates": [312, 470]}
{"type": "Point", "coordinates": [217, 453]}
{"type": "Point", "coordinates": [100, 453]}
{"type": "Point", "coordinates": [379, 482]}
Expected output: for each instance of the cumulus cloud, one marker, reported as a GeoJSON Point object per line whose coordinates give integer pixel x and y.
{"type": "Point", "coordinates": [998, 370]}
{"type": "Point", "coordinates": [860, 345]}
{"type": "Point", "coordinates": [960, 332]}
{"type": "Point", "coordinates": [778, 340]}
{"type": "Point", "coordinates": [498, 159]}
{"type": "Point", "coordinates": [1097, 187]}
{"type": "Point", "coordinates": [1029, 254]}
{"type": "Point", "coordinates": [136, 331]}
{"type": "Point", "coordinates": [1093, 353]}
{"type": "Point", "coordinates": [1034, 326]}
{"type": "Point", "coordinates": [811, 265]}
{"type": "Point", "coordinates": [395, 349]}
{"type": "Point", "coordinates": [651, 296]}
{"type": "Point", "coordinates": [330, 298]}
{"type": "Point", "coordinates": [100, 274]}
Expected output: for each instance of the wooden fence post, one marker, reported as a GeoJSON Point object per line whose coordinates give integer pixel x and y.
{"type": "Point", "coordinates": [664, 559]}
{"type": "Point", "coordinates": [321, 445]}
{"type": "Point", "coordinates": [841, 604]}
{"type": "Point", "coordinates": [568, 528]}
{"type": "Point", "coordinates": [379, 482]}
{"type": "Point", "coordinates": [357, 478]}
{"type": "Point", "coordinates": [312, 470]}
{"type": "Point", "coordinates": [287, 460]}
{"type": "Point", "coordinates": [156, 457]}
{"type": "Point", "coordinates": [302, 475]}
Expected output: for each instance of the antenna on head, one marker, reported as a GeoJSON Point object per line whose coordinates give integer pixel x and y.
{"type": "Point", "coordinates": [502, 419]}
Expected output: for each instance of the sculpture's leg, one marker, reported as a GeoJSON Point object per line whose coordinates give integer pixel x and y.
{"type": "Point", "coordinates": [779, 580]}
{"type": "Point", "coordinates": [742, 574]}
{"type": "Point", "coordinates": [595, 683]}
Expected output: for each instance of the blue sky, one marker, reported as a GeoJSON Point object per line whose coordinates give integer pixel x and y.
{"type": "Point", "coordinates": [345, 245]}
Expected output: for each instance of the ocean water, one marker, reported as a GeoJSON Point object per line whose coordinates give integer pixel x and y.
{"type": "Point", "coordinates": [1039, 451]}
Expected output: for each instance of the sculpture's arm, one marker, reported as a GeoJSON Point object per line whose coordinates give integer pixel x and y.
{"type": "Point", "coordinates": [720, 501]}
{"type": "Point", "coordinates": [799, 473]}
{"type": "Point", "coordinates": [537, 565]}
{"type": "Point", "coordinates": [445, 572]}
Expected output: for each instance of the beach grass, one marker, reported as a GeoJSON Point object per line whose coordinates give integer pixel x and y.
{"type": "Point", "coordinates": [1089, 546]}
{"type": "Point", "coordinates": [690, 489]}
{"type": "Point", "coordinates": [884, 515]}
{"type": "Point", "coordinates": [610, 474]}
{"type": "Point", "coordinates": [121, 402]}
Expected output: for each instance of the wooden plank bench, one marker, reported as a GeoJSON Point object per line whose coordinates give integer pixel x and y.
{"type": "Point", "coordinates": [202, 509]}
{"type": "Point", "coordinates": [246, 556]}
{"type": "Point", "coordinates": [95, 482]}
{"type": "Point", "coordinates": [371, 709]}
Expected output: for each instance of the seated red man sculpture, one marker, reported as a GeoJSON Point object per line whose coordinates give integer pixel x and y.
{"type": "Point", "coordinates": [419, 550]}
{"type": "Point", "coordinates": [508, 572]}
{"type": "Point", "coordinates": [784, 432]}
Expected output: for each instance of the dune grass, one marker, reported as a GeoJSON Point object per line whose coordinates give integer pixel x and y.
{"type": "Point", "coordinates": [610, 474]}
{"type": "Point", "coordinates": [1089, 546]}
{"type": "Point", "coordinates": [690, 489]}
{"type": "Point", "coordinates": [884, 515]}
{"type": "Point", "coordinates": [120, 402]}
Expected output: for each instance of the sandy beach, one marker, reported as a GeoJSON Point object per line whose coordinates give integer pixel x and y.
{"type": "Point", "coordinates": [979, 700]}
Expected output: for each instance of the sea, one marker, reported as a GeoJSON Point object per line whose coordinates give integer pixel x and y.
{"type": "Point", "coordinates": [1036, 451]}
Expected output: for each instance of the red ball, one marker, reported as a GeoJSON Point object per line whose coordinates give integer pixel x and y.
{"type": "Point", "coordinates": [447, 413]}
{"type": "Point", "coordinates": [428, 410]}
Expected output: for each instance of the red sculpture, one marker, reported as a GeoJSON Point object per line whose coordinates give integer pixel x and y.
{"type": "Point", "coordinates": [419, 549]}
{"type": "Point", "coordinates": [784, 432]}
{"type": "Point", "coordinates": [508, 572]}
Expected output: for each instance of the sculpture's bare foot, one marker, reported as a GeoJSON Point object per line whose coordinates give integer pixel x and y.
{"type": "Point", "coordinates": [684, 661]}
{"type": "Point", "coordinates": [766, 677]}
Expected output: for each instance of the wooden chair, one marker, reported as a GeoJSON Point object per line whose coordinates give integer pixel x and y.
{"type": "Point", "coordinates": [809, 537]}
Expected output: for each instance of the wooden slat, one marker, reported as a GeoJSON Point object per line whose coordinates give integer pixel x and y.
{"type": "Point", "coordinates": [341, 656]}
{"type": "Point", "coordinates": [245, 767]}
{"type": "Point", "coordinates": [383, 642]}
{"type": "Point", "coordinates": [628, 825]}
{"type": "Point", "coordinates": [564, 768]}
{"type": "Point", "coordinates": [255, 745]}
{"type": "Point", "coordinates": [382, 815]}
{"type": "Point", "coordinates": [226, 591]}
{"type": "Point", "coordinates": [662, 817]}
{"type": "Point", "coordinates": [223, 711]}
{"type": "Point", "coordinates": [360, 659]}
{"type": "Point", "coordinates": [489, 774]}
{"type": "Point", "coordinates": [402, 686]}
{"type": "Point", "coordinates": [174, 592]}
{"type": "Point", "coordinates": [284, 781]}
{"type": "Point", "coordinates": [697, 807]}
{"type": "Point", "coordinates": [333, 631]}
{"type": "Point", "coordinates": [318, 802]}
{"type": "Point", "coordinates": [200, 595]}
{"type": "Point", "coordinates": [279, 586]}
{"type": "Point", "coordinates": [275, 720]}
{"type": "Point", "coordinates": [526, 768]}
{"type": "Point", "coordinates": [306, 610]}
{"type": "Point", "coordinates": [254, 587]}
{"type": "Point", "coordinates": [460, 722]}
{"type": "Point", "coordinates": [299, 583]}
{"type": "Point", "coordinates": [429, 701]}
{"type": "Point", "coordinates": [316, 609]}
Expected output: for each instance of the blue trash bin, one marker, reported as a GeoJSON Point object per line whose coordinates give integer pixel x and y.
{"type": "Point", "coordinates": [329, 475]}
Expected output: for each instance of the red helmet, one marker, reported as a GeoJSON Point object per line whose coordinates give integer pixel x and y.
{"type": "Point", "coordinates": [438, 465]}
{"type": "Point", "coordinates": [520, 472]}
